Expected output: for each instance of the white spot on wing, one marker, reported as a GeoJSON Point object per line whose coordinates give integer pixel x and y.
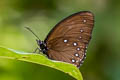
{"type": "Point", "coordinates": [73, 60]}
{"type": "Point", "coordinates": [80, 37]}
{"type": "Point", "coordinates": [75, 44]}
{"type": "Point", "coordinates": [77, 61]}
{"type": "Point", "coordinates": [80, 59]}
{"type": "Point", "coordinates": [81, 30]}
{"type": "Point", "coordinates": [78, 48]}
{"type": "Point", "coordinates": [65, 41]}
{"type": "Point", "coordinates": [84, 20]}
{"type": "Point", "coordinates": [76, 54]}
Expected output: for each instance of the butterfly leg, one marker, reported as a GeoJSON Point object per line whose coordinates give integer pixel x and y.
{"type": "Point", "coordinates": [37, 49]}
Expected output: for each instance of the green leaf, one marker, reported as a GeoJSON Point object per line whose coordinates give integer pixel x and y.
{"type": "Point", "coordinates": [42, 60]}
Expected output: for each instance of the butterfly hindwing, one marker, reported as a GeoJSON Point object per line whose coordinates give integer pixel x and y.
{"type": "Point", "coordinates": [67, 51]}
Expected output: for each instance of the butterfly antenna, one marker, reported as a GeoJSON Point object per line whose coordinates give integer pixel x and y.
{"type": "Point", "coordinates": [32, 32]}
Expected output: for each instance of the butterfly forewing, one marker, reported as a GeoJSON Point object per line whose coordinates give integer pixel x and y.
{"type": "Point", "coordinates": [68, 40]}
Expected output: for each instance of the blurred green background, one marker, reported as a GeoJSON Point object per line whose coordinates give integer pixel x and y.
{"type": "Point", "coordinates": [103, 56]}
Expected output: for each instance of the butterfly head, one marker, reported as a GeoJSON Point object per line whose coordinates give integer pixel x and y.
{"type": "Point", "coordinates": [42, 46]}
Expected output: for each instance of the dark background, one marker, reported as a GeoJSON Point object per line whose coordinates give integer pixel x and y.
{"type": "Point", "coordinates": [103, 56]}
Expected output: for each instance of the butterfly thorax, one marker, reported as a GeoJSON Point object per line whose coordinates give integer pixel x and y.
{"type": "Point", "coordinates": [42, 46]}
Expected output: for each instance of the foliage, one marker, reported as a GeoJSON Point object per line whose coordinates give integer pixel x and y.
{"type": "Point", "coordinates": [41, 60]}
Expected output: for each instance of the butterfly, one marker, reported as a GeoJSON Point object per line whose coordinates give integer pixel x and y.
{"type": "Point", "coordinates": [69, 39]}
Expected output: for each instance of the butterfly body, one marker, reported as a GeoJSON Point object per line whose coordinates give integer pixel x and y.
{"type": "Point", "coordinates": [42, 46]}
{"type": "Point", "coordinates": [69, 39]}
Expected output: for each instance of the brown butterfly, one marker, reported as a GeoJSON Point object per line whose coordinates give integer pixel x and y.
{"type": "Point", "coordinates": [69, 39]}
